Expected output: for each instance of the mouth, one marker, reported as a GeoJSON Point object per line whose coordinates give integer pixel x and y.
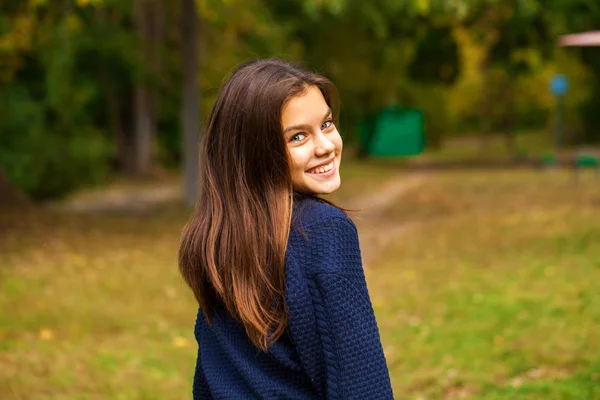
{"type": "Point", "coordinates": [326, 169]}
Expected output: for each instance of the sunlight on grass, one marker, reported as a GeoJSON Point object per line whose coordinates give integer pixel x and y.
{"type": "Point", "coordinates": [531, 145]}
{"type": "Point", "coordinates": [495, 146]}
{"type": "Point", "coordinates": [496, 290]}
{"type": "Point", "coordinates": [492, 293]}
{"type": "Point", "coordinates": [93, 307]}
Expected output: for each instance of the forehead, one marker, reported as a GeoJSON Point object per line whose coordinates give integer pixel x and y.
{"type": "Point", "coordinates": [306, 108]}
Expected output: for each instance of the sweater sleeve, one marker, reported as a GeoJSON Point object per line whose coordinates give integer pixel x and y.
{"type": "Point", "coordinates": [355, 363]}
{"type": "Point", "coordinates": [200, 389]}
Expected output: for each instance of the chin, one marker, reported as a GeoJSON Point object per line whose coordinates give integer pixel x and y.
{"type": "Point", "coordinates": [307, 186]}
{"type": "Point", "coordinates": [327, 188]}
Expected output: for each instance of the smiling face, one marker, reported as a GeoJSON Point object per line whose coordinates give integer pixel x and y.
{"type": "Point", "coordinates": [313, 142]}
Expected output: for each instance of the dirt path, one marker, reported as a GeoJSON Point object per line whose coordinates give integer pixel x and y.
{"type": "Point", "coordinates": [375, 231]}
{"type": "Point", "coordinates": [118, 199]}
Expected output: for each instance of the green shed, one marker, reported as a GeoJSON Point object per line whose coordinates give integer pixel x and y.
{"type": "Point", "coordinates": [393, 131]}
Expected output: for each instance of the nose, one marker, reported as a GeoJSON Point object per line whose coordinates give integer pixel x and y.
{"type": "Point", "coordinates": [323, 145]}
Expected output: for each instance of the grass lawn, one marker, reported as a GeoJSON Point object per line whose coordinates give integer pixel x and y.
{"type": "Point", "coordinates": [492, 293]}
{"type": "Point", "coordinates": [530, 145]}
{"type": "Point", "coordinates": [495, 291]}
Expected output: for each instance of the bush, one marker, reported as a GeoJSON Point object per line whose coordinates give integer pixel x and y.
{"type": "Point", "coordinates": [40, 157]}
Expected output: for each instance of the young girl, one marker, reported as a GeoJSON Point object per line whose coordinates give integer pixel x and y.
{"type": "Point", "coordinates": [284, 308]}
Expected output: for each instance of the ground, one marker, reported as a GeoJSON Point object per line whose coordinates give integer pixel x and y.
{"type": "Point", "coordinates": [484, 283]}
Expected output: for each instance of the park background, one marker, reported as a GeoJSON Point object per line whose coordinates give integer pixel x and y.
{"type": "Point", "coordinates": [481, 253]}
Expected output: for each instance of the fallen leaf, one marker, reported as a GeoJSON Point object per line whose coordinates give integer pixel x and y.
{"type": "Point", "coordinates": [181, 342]}
{"type": "Point", "coordinates": [46, 334]}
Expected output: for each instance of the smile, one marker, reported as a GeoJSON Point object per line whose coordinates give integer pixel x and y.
{"type": "Point", "coordinates": [323, 170]}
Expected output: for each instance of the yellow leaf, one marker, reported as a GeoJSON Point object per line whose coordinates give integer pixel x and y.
{"type": "Point", "coordinates": [46, 334]}
{"type": "Point", "coordinates": [180, 342]}
{"type": "Point", "coordinates": [498, 340]}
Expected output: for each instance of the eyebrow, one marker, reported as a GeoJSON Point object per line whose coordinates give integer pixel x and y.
{"type": "Point", "coordinates": [304, 126]}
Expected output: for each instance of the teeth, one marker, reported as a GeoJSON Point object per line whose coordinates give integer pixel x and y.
{"type": "Point", "coordinates": [323, 169]}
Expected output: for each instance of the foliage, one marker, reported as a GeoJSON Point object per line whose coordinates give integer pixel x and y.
{"type": "Point", "coordinates": [50, 144]}
{"type": "Point", "coordinates": [70, 68]}
{"type": "Point", "coordinates": [46, 163]}
{"type": "Point", "coordinates": [436, 58]}
{"type": "Point", "coordinates": [579, 16]}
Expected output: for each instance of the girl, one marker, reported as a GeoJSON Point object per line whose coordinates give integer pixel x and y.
{"type": "Point", "coordinates": [284, 308]}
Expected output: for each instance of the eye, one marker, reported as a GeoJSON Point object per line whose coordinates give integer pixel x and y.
{"type": "Point", "coordinates": [327, 124]}
{"type": "Point", "coordinates": [298, 137]}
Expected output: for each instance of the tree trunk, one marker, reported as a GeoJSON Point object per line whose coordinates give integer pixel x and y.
{"type": "Point", "coordinates": [485, 111]}
{"type": "Point", "coordinates": [510, 134]}
{"type": "Point", "coordinates": [143, 137]}
{"type": "Point", "coordinates": [117, 116]}
{"type": "Point", "coordinates": [124, 145]}
{"type": "Point", "coordinates": [144, 93]}
{"type": "Point", "coordinates": [156, 34]}
{"type": "Point", "coordinates": [488, 28]}
{"type": "Point", "coordinates": [190, 108]}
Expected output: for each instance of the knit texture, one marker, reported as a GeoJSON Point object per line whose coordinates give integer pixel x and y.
{"type": "Point", "coordinates": [331, 348]}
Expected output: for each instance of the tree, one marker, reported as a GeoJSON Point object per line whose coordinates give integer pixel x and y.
{"type": "Point", "coordinates": [515, 37]}
{"type": "Point", "coordinates": [526, 31]}
{"type": "Point", "coordinates": [581, 16]}
{"type": "Point", "coordinates": [148, 16]}
{"type": "Point", "coordinates": [190, 109]}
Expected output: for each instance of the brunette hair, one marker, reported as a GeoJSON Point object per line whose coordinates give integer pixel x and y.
{"type": "Point", "coordinates": [232, 251]}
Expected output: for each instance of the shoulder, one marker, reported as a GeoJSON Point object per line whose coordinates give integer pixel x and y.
{"type": "Point", "coordinates": [312, 212]}
{"type": "Point", "coordinates": [323, 239]}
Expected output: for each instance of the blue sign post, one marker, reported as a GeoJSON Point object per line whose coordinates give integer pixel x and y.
{"type": "Point", "coordinates": [559, 85]}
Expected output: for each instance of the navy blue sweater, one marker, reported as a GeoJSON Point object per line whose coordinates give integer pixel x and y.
{"type": "Point", "coordinates": [331, 348]}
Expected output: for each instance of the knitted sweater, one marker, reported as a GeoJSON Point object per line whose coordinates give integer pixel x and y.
{"type": "Point", "coordinates": [331, 348]}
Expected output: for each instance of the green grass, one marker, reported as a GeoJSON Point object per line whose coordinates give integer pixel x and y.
{"type": "Point", "coordinates": [529, 145]}
{"type": "Point", "coordinates": [93, 307]}
{"type": "Point", "coordinates": [491, 293]}
{"type": "Point", "coordinates": [495, 291]}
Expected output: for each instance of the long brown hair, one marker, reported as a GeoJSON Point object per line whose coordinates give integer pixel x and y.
{"type": "Point", "coordinates": [232, 250]}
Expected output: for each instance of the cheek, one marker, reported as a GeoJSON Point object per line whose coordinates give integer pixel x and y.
{"type": "Point", "coordinates": [298, 160]}
{"type": "Point", "coordinates": [337, 140]}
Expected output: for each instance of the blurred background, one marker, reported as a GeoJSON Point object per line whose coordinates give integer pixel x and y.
{"type": "Point", "coordinates": [471, 147]}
